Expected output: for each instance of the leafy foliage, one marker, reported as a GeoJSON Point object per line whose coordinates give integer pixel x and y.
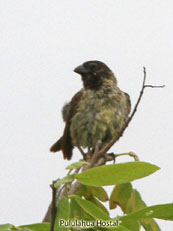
{"type": "Point", "coordinates": [116, 173]}
{"type": "Point", "coordinates": [33, 227]}
{"type": "Point", "coordinates": [76, 165]}
{"type": "Point", "coordinates": [120, 196]}
{"type": "Point", "coordinates": [65, 180]}
{"type": "Point", "coordinates": [63, 208]}
{"type": "Point", "coordinates": [87, 203]}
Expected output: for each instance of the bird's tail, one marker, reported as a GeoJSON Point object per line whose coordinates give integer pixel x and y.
{"type": "Point", "coordinates": [56, 146]}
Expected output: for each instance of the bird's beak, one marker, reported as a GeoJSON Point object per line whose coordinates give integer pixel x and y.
{"type": "Point", "coordinates": [81, 70]}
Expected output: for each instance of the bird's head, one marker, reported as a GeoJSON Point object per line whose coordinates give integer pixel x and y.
{"type": "Point", "coordinates": [94, 73]}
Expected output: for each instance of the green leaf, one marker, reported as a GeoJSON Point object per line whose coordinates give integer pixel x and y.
{"type": "Point", "coordinates": [76, 165]}
{"type": "Point", "coordinates": [121, 228]}
{"type": "Point", "coordinates": [116, 173]}
{"type": "Point", "coordinates": [24, 229]}
{"type": "Point", "coordinates": [98, 204]}
{"type": "Point", "coordinates": [120, 195]}
{"type": "Point", "coordinates": [77, 212]}
{"type": "Point", "coordinates": [91, 208]}
{"type": "Point", "coordinates": [88, 191]}
{"type": "Point", "coordinates": [135, 203]}
{"type": "Point", "coordinates": [37, 227]}
{"type": "Point", "coordinates": [91, 191]}
{"type": "Point", "coordinates": [164, 211]}
{"type": "Point", "coordinates": [65, 180]}
{"type": "Point", "coordinates": [82, 190]}
{"type": "Point", "coordinates": [99, 193]}
{"type": "Point", "coordinates": [149, 224]}
{"type": "Point", "coordinates": [118, 228]}
{"type": "Point", "coordinates": [131, 225]}
{"type": "Point", "coordinates": [90, 229]}
{"type": "Point", "coordinates": [6, 227]}
{"type": "Point", "coordinates": [63, 213]}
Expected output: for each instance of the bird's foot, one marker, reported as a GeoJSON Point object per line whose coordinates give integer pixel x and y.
{"type": "Point", "coordinates": [110, 157]}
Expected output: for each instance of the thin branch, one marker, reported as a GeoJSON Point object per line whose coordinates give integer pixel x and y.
{"type": "Point", "coordinates": [107, 147]}
{"type": "Point", "coordinates": [53, 206]}
{"type": "Point", "coordinates": [152, 86]}
{"type": "Point", "coordinates": [59, 192]}
{"type": "Point", "coordinates": [132, 154]}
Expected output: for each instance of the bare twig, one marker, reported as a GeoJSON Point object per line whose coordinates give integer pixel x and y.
{"type": "Point", "coordinates": [132, 154]}
{"type": "Point", "coordinates": [53, 206]}
{"type": "Point", "coordinates": [152, 86]}
{"type": "Point", "coordinates": [48, 215]}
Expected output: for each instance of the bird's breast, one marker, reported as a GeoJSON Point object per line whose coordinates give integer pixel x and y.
{"type": "Point", "coordinates": [99, 116]}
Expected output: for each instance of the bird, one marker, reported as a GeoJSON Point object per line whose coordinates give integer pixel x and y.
{"type": "Point", "coordinates": [95, 113]}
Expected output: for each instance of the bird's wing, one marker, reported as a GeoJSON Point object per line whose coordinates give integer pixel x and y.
{"type": "Point", "coordinates": [66, 142]}
{"type": "Point", "coordinates": [128, 103]}
{"type": "Point", "coordinates": [65, 111]}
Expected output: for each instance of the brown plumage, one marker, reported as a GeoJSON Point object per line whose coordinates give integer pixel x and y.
{"type": "Point", "coordinates": [65, 143]}
{"type": "Point", "coordinates": [97, 112]}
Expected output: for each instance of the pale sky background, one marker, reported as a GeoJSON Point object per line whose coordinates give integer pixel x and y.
{"type": "Point", "coordinates": [41, 42]}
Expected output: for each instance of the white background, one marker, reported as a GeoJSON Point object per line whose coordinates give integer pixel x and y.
{"type": "Point", "coordinates": [41, 42]}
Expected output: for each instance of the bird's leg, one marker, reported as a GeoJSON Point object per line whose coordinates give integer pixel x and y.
{"type": "Point", "coordinates": [81, 151]}
{"type": "Point", "coordinates": [95, 153]}
{"type": "Point", "coordinates": [97, 147]}
{"type": "Point", "coordinates": [103, 158]}
{"type": "Point", "coordinates": [90, 151]}
{"type": "Point", "coordinates": [101, 161]}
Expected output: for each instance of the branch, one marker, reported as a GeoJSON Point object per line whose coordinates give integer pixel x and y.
{"type": "Point", "coordinates": [53, 206]}
{"type": "Point", "coordinates": [161, 86]}
{"type": "Point", "coordinates": [109, 145]}
{"type": "Point", "coordinates": [132, 154]}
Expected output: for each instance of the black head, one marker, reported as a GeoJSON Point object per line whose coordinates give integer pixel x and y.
{"type": "Point", "coordinates": [93, 73]}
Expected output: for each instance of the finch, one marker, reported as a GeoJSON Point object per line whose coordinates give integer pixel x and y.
{"type": "Point", "coordinates": [96, 113]}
